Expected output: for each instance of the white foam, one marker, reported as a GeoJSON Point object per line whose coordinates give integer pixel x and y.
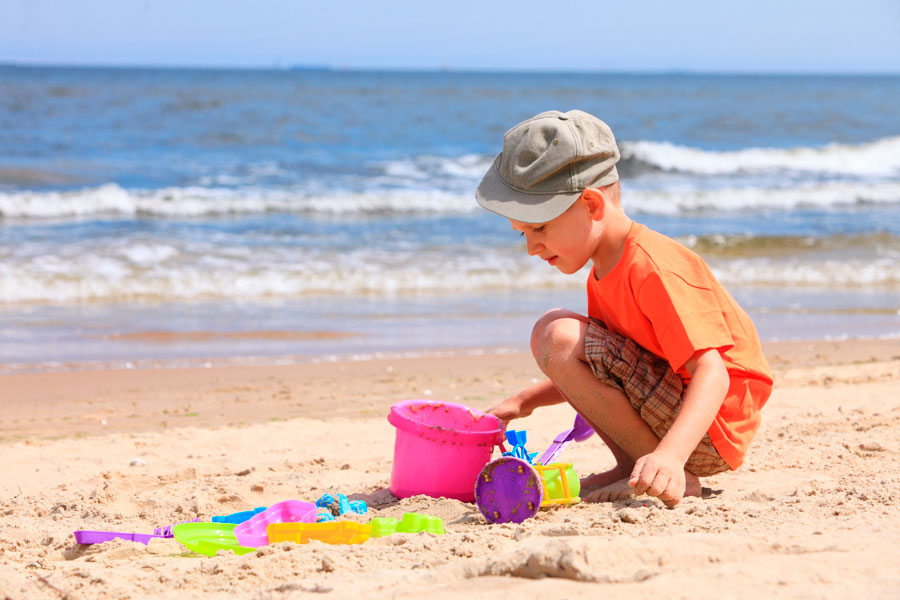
{"type": "Point", "coordinates": [96, 271]}
{"type": "Point", "coordinates": [878, 158]}
{"type": "Point", "coordinates": [149, 254]}
{"type": "Point", "coordinates": [117, 271]}
{"type": "Point", "coordinates": [470, 167]}
{"type": "Point", "coordinates": [823, 195]}
{"type": "Point", "coordinates": [114, 201]}
{"type": "Point", "coordinates": [828, 273]}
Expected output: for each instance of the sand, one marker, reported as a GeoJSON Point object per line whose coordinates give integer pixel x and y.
{"type": "Point", "coordinates": [813, 513]}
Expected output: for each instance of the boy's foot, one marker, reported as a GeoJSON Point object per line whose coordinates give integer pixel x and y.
{"type": "Point", "coordinates": [599, 480]}
{"type": "Point", "coordinates": [617, 490]}
{"type": "Point", "coordinates": [620, 490]}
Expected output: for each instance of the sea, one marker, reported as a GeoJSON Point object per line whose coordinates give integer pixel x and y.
{"type": "Point", "coordinates": [168, 217]}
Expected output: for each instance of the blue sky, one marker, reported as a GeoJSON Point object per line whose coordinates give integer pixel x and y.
{"type": "Point", "coordinates": [824, 36]}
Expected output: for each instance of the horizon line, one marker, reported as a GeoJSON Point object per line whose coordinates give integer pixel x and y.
{"type": "Point", "coordinates": [435, 69]}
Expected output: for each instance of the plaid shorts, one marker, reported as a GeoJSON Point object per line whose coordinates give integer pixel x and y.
{"type": "Point", "coordinates": [651, 386]}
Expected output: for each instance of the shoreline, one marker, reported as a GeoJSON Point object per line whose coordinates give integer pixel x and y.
{"type": "Point", "coordinates": [855, 345]}
{"type": "Point", "coordinates": [78, 337]}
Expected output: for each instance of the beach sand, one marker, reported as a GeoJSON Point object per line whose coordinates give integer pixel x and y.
{"type": "Point", "coordinates": [814, 511]}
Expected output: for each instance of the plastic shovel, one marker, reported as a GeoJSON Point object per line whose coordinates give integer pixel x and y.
{"type": "Point", "coordinates": [580, 431]}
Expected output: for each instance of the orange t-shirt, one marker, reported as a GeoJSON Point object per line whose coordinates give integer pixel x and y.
{"type": "Point", "coordinates": [665, 298]}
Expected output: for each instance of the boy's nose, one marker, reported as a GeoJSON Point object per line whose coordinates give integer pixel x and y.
{"type": "Point", "coordinates": [534, 248]}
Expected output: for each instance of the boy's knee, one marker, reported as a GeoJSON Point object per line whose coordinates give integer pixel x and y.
{"type": "Point", "coordinates": [557, 343]}
{"type": "Point", "coordinates": [547, 319]}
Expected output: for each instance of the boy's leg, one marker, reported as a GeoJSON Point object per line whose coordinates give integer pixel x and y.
{"type": "Point", "coordinates": [624, 463]}
{"type": "Point", "coordinates": [559, 347]}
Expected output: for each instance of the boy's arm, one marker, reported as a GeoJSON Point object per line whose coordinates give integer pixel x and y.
{"type": "Point", "coordinates": [661, 473]}
{"type": "Point", "coordinates": [542, 393]}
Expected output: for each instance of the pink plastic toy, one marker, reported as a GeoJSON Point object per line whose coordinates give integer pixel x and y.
{"type": "Point", "coordinates": [440, 448]}
{"type": "Point", "coordinates": [252, 533]}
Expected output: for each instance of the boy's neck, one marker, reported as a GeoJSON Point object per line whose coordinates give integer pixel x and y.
{"type": "Point", "coordinates": [612, 244]}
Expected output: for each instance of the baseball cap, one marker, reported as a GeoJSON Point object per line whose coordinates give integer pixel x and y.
{"type": "Point", "coordinates": [545, 164]}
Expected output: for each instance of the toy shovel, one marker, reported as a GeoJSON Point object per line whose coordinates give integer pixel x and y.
{"type": "Point", "coordinates": [581, 430]}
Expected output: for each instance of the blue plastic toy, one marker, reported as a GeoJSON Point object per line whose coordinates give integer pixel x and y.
{"type": "Point", "coordinates": [344, 505]}
{"type": "Point", "coordinates": [238, 517]}
{"type": "Point", "coordinates": [517, 439]}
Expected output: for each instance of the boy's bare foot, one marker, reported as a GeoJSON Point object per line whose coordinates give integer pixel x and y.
{"type": "Point", "coordinates": [692, 485]}
{"type": "Point", "coordinates": [598, 480]}
{"type": "Point", "coordinates": [620, 490]}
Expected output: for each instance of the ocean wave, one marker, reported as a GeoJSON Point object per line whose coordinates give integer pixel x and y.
{"type": "Point", "coordinates": [113, 200]}
{"type": "Point", "coordinates": [470, 167]}
{"type": "Point", "coordinates": [880, 158]}
{"type": "Point", "coordinates": [797, 273]}
{"type": "Point", "coordinates": [161, 270]}
{"type": "Point", "coordinates": [98, 278]}
{"type": "Point", "coordinates": [769, 246]}
{"type": "Point", "coordinates": [189, 202]}
{"type": "Point", "coordinates": [820, 195]}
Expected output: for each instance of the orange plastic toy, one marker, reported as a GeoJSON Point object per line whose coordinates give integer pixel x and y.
{"type": "Point", "coordinates": [329, 532]}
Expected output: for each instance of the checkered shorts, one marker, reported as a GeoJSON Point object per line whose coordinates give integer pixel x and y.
{"type": "Point", "coordinates": [652, 388]}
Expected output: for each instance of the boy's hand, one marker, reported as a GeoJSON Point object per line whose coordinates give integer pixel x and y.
{"type": "Point", "coordinates": [509, 409]}
{"type": "Point", "coordinates": [660, 475]}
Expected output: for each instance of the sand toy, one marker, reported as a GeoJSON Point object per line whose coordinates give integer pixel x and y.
{"type": "Point", "coordinates": [408, 523]}
{"type": "Point", "coordinates": [209, 538]}
{"type": "Point", "coordinates": [98, 537]}
{"type": "Point", "coordinates": [252, 532]}
{"type": "Point", "coordinates": [337, 505]}
{"type": "Point", "coordinates": [350, 532]}
{"type": "Point", "coordinates": [331, 532]}
{"type": "Point", "coordinates": [239, 517]}
{"type": "Point", "coordinates": [440, 447]}
{"type": "Point", "coordinates": [511, 489]}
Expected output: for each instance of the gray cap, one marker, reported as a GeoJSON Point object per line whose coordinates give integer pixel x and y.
{"type": "Point", "coordinates": [545, 164]}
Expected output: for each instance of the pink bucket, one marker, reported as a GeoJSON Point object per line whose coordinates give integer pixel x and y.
{"type": "Point", "coordinates": [440, 448]}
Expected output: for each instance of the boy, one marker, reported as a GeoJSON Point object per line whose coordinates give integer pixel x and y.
{"type": "Point", "coordinates": [666, 367]}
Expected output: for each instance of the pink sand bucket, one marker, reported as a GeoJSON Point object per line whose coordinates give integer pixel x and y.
{"type": "Point", "coordinates": [440, 448]}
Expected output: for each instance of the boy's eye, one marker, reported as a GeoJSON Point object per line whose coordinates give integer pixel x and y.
{"type": "Point", "coordinates": [533, 230]}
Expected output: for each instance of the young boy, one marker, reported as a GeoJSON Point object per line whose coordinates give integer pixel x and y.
{"type": "Point", "coordinates": [666, 367]}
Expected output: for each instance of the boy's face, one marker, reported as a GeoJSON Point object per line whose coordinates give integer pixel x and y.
{"type": "Point", "coordinates": [567, 242]}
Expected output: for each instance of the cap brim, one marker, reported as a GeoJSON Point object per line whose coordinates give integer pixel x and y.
{"type": "Point", "coordinates": [495, 195]}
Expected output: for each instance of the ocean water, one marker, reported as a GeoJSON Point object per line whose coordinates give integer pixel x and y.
{"type": "Point", "coordinates": [178, 216]}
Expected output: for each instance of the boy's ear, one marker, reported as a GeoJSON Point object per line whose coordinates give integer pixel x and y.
{"type": "Point", "coordinates": [595, 202]}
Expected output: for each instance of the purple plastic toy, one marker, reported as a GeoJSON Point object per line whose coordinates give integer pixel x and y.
{"type": "Point", "coordinates": [581, 430]}
{"type": "Point", "coordinates": [98, 537]}
{"type": "Point", "coordinates": [508, 489]}
{"type": "Point", "coordinates": [252, 533]}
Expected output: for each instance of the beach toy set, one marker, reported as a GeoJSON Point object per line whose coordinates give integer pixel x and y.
{"type": "Point", "coordinates": [209, 538]}
{"type": "Point", "coordinates": [444, 449]}
{"type": "Point", "coordinates": [291, 520]}
{"type": "Point", "coordinates": [441, 449]}
{"type": "Point", "coordinates": [513, 488]}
